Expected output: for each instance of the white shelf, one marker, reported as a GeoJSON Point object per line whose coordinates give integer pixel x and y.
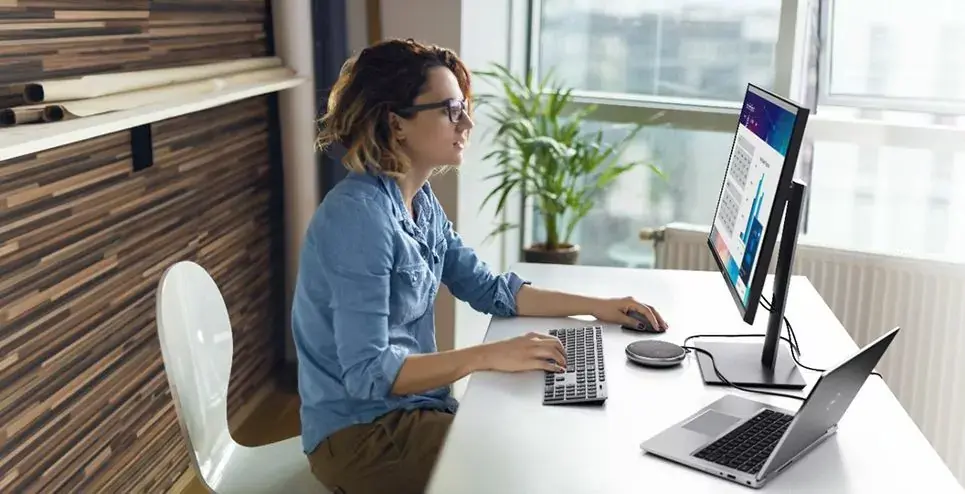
{"type": "Point", "coordinates": [32, 138]}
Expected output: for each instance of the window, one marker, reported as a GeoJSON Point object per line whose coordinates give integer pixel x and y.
{"type": "Point", "coordinates": [885, 148]}
{"type": "Point", "coordinates": [895, 76]}
{"type": "Point", "coordinates": [910, 50]}
{"type": "Point", "coordinates": [698, 49]}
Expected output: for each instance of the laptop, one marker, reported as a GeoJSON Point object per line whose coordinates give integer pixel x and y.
{"type": "Point", "coordinates": [750, 442]}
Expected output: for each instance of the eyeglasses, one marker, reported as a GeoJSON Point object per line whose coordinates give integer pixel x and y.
{"type": "Point", "coordinates": [455, 108]}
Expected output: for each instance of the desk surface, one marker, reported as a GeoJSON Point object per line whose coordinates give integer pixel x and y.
{"type": "Point", "coordinates": [504, 440]}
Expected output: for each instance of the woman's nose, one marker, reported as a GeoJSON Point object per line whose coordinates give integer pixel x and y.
{"type": "Point", "coordinates": [465, 122]}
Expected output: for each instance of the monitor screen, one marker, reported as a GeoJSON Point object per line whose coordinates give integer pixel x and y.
{"type": "Point", "coordinates": [751, 181]}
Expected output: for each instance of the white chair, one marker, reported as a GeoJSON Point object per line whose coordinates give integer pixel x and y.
{"type": "Point", "coordinates": [196, 344]}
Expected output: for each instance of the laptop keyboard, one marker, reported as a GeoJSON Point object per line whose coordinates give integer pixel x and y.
{"type": "Point", "coordinates": [747, 447]}
{"type": "Point", "coordinates": [584, 380]}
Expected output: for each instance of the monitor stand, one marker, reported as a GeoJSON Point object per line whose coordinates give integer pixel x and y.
{"type": "Point", "coordinates": [740, 364]}
{"type": "Point", "coordinates": [768, 364]}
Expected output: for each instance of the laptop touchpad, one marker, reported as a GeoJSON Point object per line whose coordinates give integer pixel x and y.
{"type": "Point", "coordinates": [711, 423]}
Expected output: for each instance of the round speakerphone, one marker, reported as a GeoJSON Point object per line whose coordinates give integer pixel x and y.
{"type": "Point", "coordinates": [655, 353]}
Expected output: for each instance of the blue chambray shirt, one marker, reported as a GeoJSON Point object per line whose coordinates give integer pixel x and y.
{"type": "Point", "coordinates": [364, 300]}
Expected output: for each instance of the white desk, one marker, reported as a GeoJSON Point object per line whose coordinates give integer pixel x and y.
{"type": "Point", "coordinates": [503, 440]}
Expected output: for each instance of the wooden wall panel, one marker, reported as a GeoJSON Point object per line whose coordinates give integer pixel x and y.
{"type": "Point", "coordinates": [84, 403]}
{"type": "Point", "coordinates": [83, 397]}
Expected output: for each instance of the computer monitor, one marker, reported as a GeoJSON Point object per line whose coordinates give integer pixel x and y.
{"type": "Point", "coordinates": [758, 190]}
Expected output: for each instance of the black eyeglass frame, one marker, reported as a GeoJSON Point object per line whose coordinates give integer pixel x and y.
{"type": "Point", "coordinates": [456, 107]}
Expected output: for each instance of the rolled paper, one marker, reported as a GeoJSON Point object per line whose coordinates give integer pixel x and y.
{"type": "Point", "coordinates": [21, 114]}
{"type": "Point", "coordinates": [173, 94]}
{"type": "Point", "coordinates": [99, 85]}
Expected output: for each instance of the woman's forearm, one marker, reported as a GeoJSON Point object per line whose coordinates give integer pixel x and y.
{"type": "Point", "coordinates": [537, 302]}
{"type": "Point", "coordinates": [425, 372]}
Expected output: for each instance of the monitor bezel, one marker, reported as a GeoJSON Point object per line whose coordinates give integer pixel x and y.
{"type": "Point", "coordinates": [775, 219]}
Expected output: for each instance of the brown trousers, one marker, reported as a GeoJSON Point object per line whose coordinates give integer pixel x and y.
{"type": "Point", "coordinates": [395, 453]}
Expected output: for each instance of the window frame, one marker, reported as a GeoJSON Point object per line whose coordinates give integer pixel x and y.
{"type": "Point", "coordinates": [866, 102]}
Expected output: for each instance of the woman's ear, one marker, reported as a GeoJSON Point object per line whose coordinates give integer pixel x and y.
{"type": "Point", "coordinates": [397, 127]}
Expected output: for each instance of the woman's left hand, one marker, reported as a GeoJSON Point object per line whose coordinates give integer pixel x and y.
{"type": "Point", "coordinates": [614, 310]}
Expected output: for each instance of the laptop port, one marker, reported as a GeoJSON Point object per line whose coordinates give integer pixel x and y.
{"type": "Point", "coordinates": [731, 476]}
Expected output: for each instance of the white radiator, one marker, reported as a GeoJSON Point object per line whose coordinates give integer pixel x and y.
{"type": "Point", "coordinates": [870, 294]}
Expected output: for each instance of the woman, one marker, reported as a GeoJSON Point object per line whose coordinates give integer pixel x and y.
{"type": "Point", "coordinates": [375, 392]}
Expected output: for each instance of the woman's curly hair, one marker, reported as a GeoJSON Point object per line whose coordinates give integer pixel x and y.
{"type": "Point", "coordinates": [383, 78]}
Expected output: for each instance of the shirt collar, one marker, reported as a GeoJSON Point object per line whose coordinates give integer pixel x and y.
{"type": "Point", "coordinates": [420, 203]}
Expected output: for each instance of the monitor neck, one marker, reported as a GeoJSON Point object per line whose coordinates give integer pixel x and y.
{"type": "Point", "coordinates": [782, 272]}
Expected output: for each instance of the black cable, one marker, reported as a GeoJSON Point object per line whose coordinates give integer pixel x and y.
{"type": "Point", "coordinates": [766, 304]}
{"type": "Point", "coordinates": [741, 335]}
{"type": "Point", "coordinates": [795, 355]}
{"type": "Point", "coordinates": [795, 348]}
{"type": "Point", "coordinates": [792, 342]}
{"type": "Point", "coordinates": [721, 376]}
{"type": "Point", "coordinates": [724, 379]}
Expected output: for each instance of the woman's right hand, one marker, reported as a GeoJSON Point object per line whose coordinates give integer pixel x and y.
{"type": "Point", "coordinates": [532, 351]}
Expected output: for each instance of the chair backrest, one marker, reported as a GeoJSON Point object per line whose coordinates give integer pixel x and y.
{"type": "Point", "coordinates": [195, 334]}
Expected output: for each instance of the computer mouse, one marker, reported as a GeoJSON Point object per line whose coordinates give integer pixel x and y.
{"type": "Point", "coordinates": [643, 324]}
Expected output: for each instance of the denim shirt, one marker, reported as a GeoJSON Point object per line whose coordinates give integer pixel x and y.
{"type": "Point", "coordinates": [364, 300]}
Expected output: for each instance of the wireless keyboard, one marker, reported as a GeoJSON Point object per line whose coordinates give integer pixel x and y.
{"type": "Point", "coordinates": [584, 381]}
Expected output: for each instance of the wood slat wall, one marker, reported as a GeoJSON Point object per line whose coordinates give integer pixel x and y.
{"type": "Point", "coordinates": [70, 38]}
{"type": "Point", "coordinates": [84, 403]}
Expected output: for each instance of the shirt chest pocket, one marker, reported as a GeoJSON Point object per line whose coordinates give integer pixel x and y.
{"type": "Point", "coordinates": [412, 291]}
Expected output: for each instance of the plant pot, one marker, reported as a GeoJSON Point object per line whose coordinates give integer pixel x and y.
{"type": "Point", "coordinates": [564, 254]}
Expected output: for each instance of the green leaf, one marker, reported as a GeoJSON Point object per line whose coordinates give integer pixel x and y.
{"type": "Point", "coordinates": [502, 200]}
{"type": "Point", "coordinates": [506, 186]}
{"type": "Point", "coordinates": [500, 229]}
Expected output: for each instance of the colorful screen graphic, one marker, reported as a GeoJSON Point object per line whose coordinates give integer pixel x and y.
{"type": "Point", "coordinates": [750, 183]}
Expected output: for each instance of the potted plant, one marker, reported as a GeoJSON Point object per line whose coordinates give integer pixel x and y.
{"type": "Point", "coordinates": [543, 152]}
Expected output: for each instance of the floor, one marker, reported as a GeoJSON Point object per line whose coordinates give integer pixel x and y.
{"type": "Point", "coordinates": [276, 418]}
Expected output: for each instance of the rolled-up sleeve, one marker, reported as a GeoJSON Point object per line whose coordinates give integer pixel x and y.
{"type": "Point", "coordinates": [356, 258]}
{"type": "Point", "coordinates": [472, 281]}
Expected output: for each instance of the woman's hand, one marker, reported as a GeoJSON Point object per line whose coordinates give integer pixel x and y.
{"type": "Point", "coordinates": [532, 351]}
{"type": "Point", "coordinates": [614, 310]}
